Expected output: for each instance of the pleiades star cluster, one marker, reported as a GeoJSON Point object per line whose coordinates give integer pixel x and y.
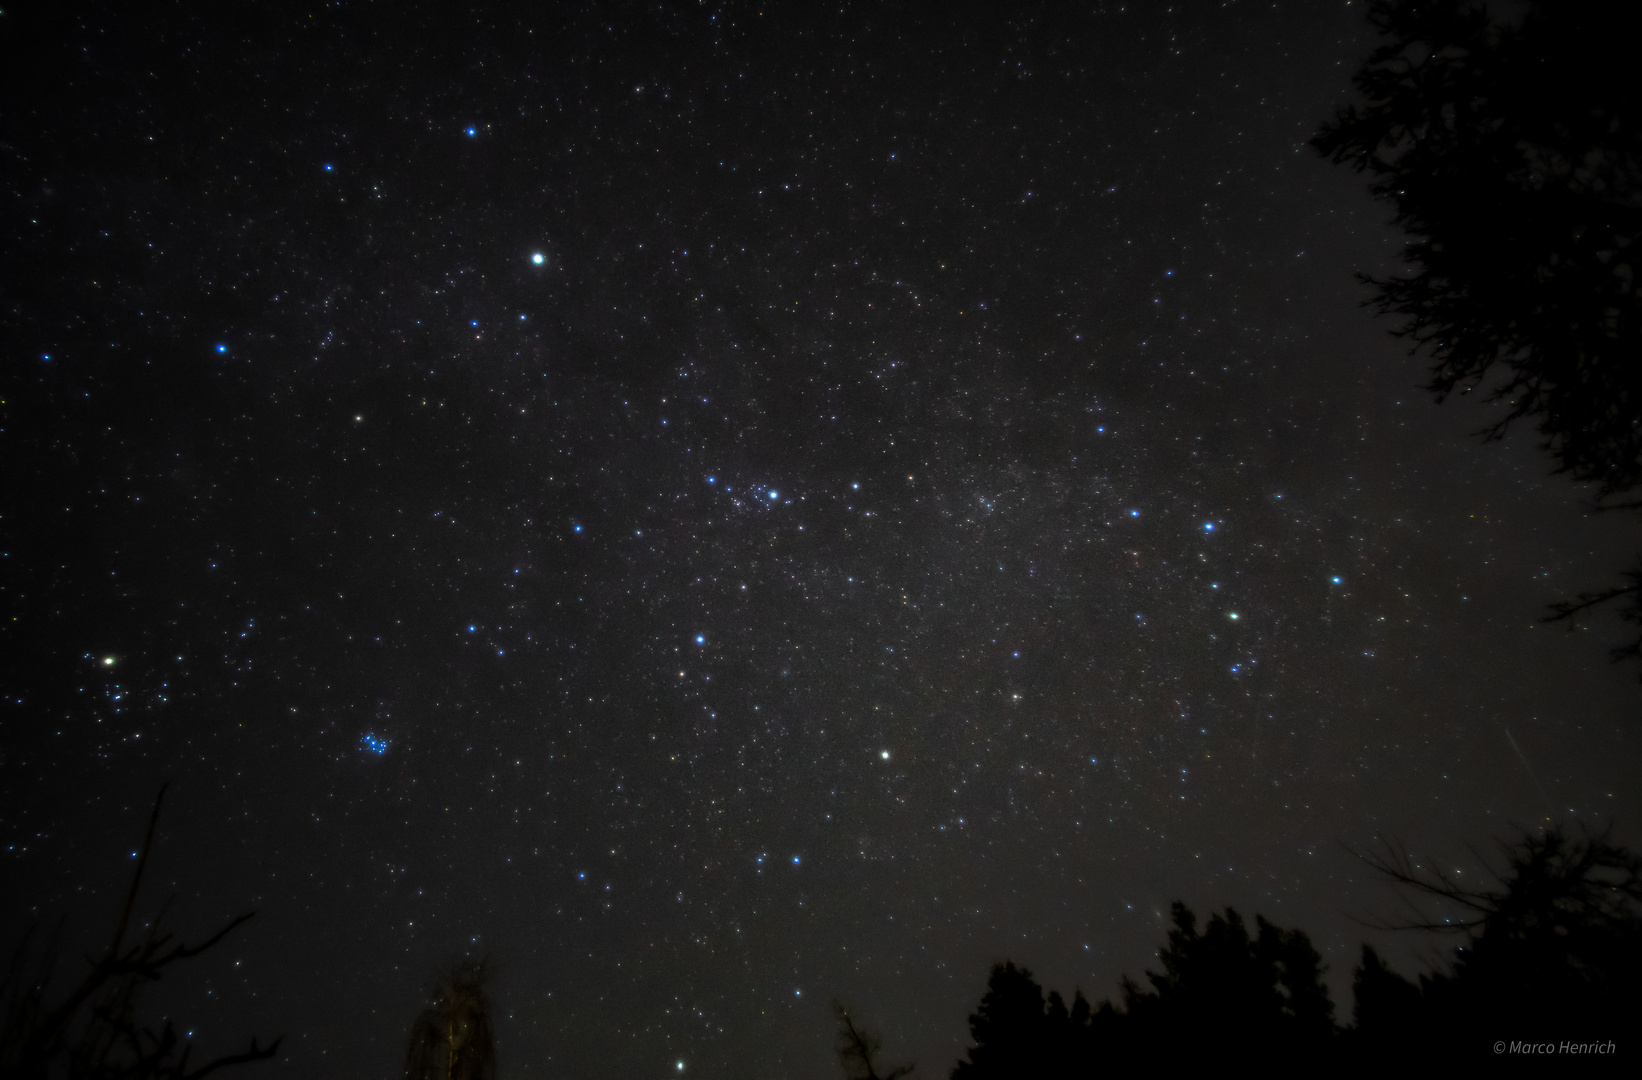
{"type": "Point", "coordinates": [725, 507]}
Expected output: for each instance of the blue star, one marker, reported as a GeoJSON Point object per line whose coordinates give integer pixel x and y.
{"type": "Point", "coordinates": [773, 494]}
{"type": "Point", "coordinates": [1208, 526]}
{"type": "Point", "coordinates": [1134, 513]}
{"type": "Point", "coordinates": [538, 258]}
{"type": "Point", "coordinates": [1335, 580]}
{"type": "Point", "coordinates": [222, 348]}
{"type": "Point", "coordinates": [701, 639]}
{"type": "Point", "coordinates": [472, 132]}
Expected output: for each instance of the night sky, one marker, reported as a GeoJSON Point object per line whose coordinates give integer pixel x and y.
{"type": "Point", "coordinates": [721, 509]}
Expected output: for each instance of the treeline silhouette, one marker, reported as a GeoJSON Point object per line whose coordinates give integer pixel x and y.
{"type": "Point", "coordinates": [1551, 953]}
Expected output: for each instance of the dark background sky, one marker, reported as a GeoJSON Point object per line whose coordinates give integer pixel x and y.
{"type": "Point", "coordinates": [937, 498]}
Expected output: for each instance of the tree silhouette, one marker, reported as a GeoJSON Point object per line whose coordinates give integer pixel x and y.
{"type": "Point", "coordinates": [1009, 1028]}
{"type": "Point", "coordinates": [1220, 994]}
{"type": "Point", "coordinates": [92, 1032]}
{"type": "Point", "coordinates": [1385, 1003]}
{"type": "Point", "coordinates": [858, 1050]}
{"type": "Point", "coordinates": [1018, 1031]}
{"type": "Point", "coordinates": [1513, 156]}
{"type": "Point", "coordinates": [1553, 950]}
{"type": "Point", "coordinates": [453, 1039]}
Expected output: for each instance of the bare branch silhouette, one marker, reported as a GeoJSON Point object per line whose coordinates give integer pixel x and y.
{"type": "Point", "coordinates": [858, 1050]}
{"type": "Point", "coordinates": [38, 1038]}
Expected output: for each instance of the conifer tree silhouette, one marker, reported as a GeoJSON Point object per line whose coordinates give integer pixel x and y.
{"type": "Point", "coordinates": [1512, 153]}
{"type": "Point", "coordinates": [1388, 1013]}
{"type": "Point", "coordinates": [1235, 994]}
{"type": "Point", "coordinates": [1010, 1028]}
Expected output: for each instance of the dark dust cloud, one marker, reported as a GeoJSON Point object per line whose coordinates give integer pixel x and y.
{"type": "Point", "coordinates": [723, 509]}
